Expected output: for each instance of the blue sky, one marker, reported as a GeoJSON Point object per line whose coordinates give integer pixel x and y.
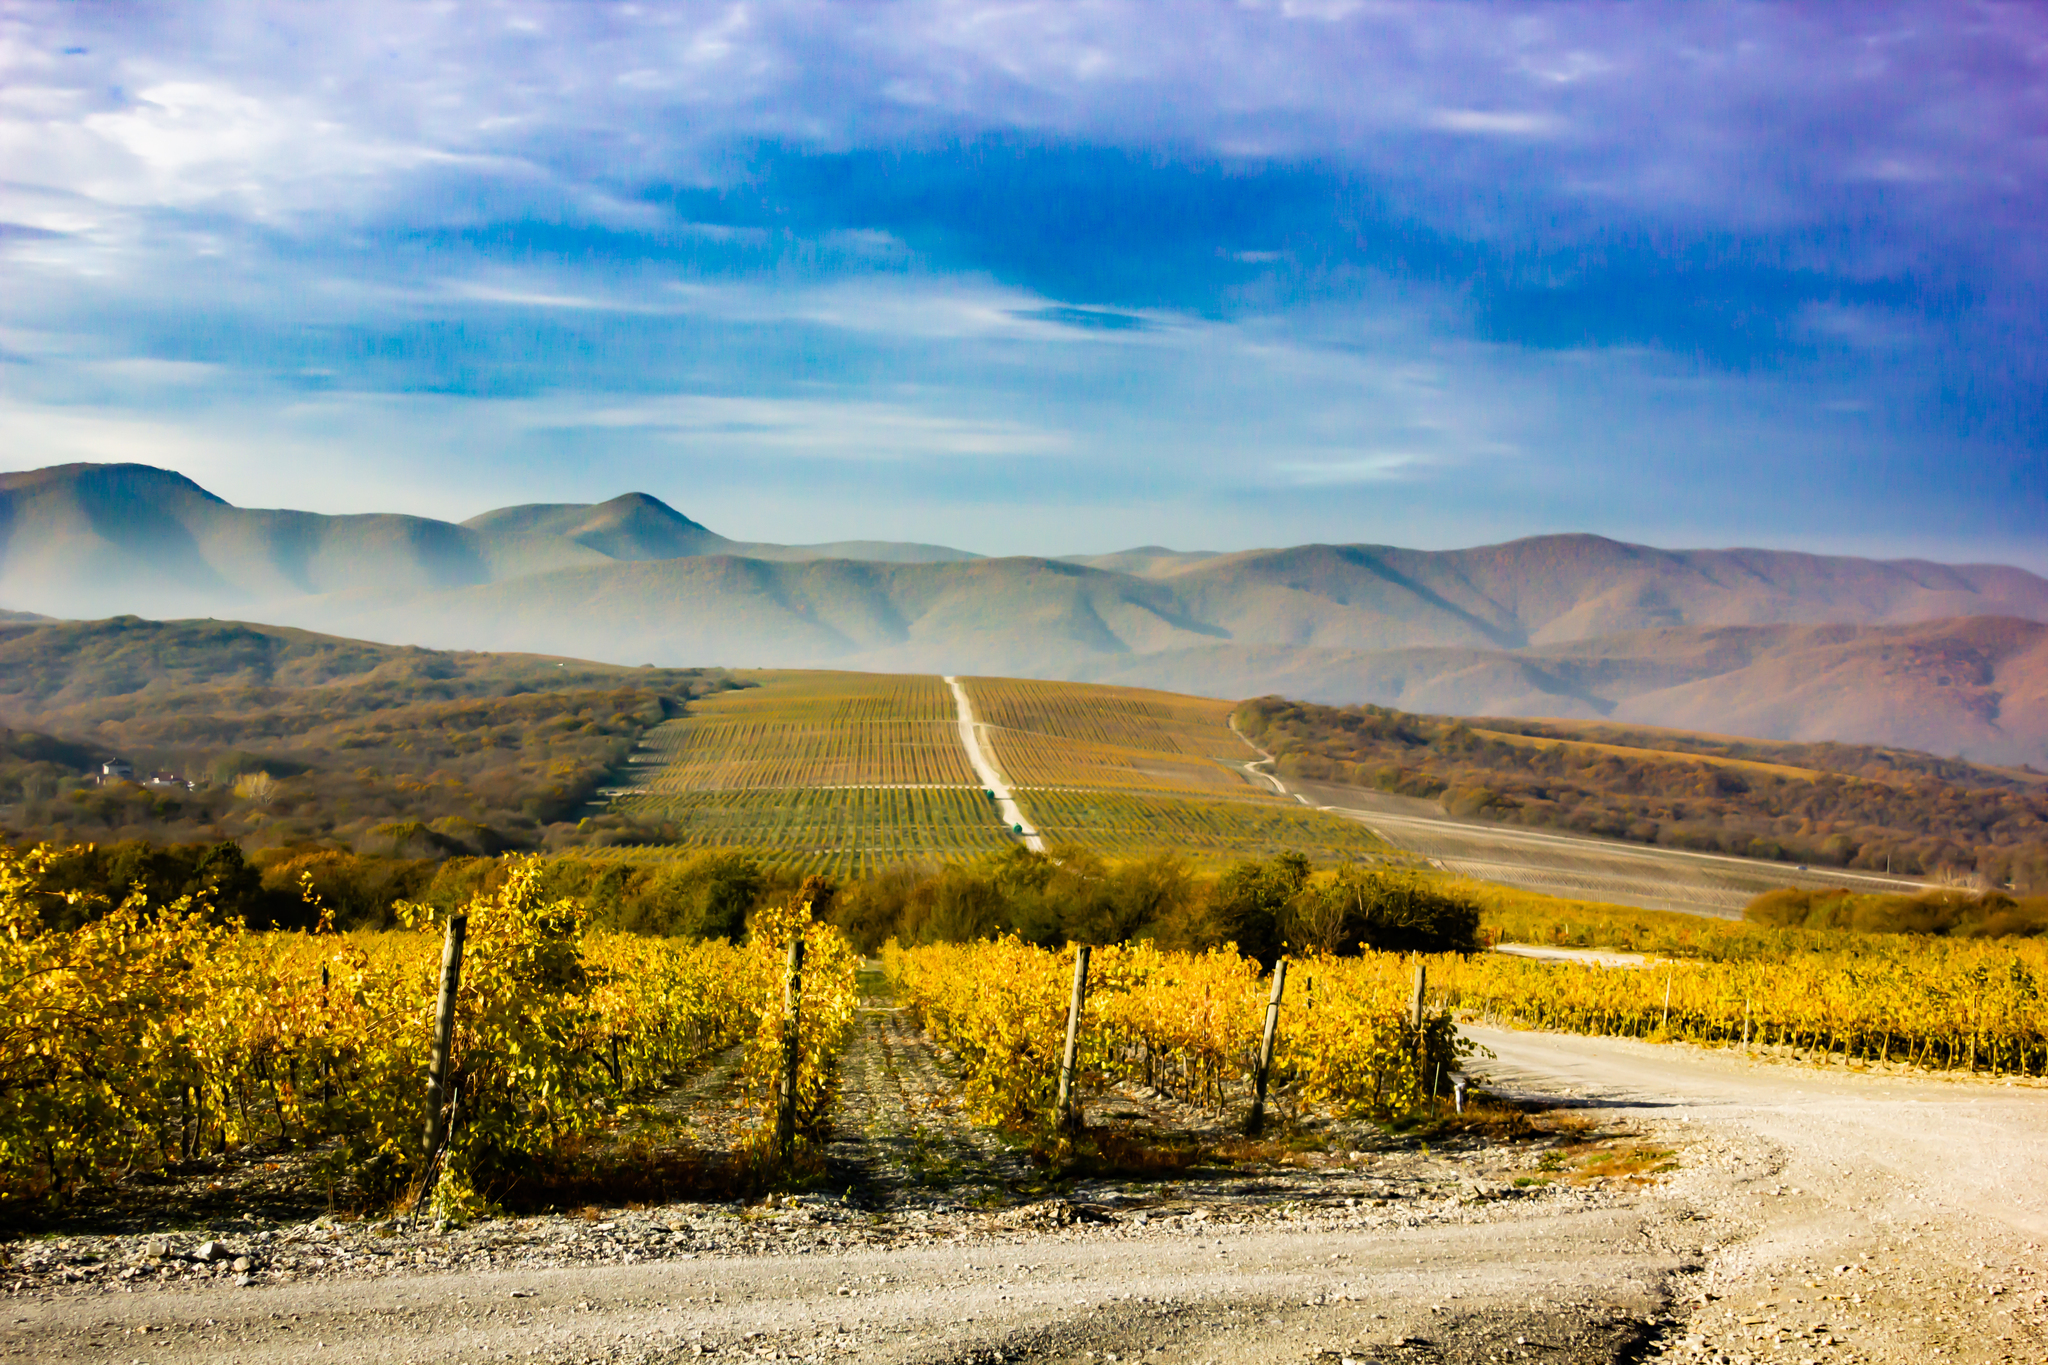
{"type": "Point", "coordinates": [1050, 278]}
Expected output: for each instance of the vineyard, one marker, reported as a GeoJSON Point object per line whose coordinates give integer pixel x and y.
{"type": "Point", "coordinates": [149, 1037]}
{"type": "Point", "coordinates": [1188, 1024]}
{"type": "Point", "coordinates": [1916, 999]}
{"type": "Point", "coordinates": [1937, 1003]}
{"type": "Point", "coordinates": [1119, 824]}
{"type": "Point", "coordinates": [846, 832]}
{"type": "Point", "coordinates": [1048, 734]}
{"type": "Point", "coordinates": [841, 773]}
{"type": "Point", "coordinates": [847, 774]}
{"type": "Point", "coordinates": [813, 730]}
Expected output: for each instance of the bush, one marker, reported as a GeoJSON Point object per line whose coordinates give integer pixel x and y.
{"type": "Point", "coordinates": [1249, 901]}
{"type": "Point", "coordinates": [1361, 909]}
{"type": "Point", "coordinates": [1945, 912]}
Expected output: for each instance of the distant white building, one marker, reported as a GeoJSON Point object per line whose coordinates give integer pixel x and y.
{"type": "Point", "coordinates": [116, 770]}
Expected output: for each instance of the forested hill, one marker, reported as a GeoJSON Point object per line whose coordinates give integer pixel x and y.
{"type": "Point", "coordinates": [286, 736]}
{"type": "Point", "coordinates": [1824, 804]}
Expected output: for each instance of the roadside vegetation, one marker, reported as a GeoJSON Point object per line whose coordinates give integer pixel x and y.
{"type": "Point", "coordinates": [1829, 805]}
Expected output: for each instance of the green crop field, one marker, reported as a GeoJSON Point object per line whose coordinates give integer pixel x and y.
{"type": "Point", "coordinates": [1132, 824]}
{"type": "Point", "coordinates": [847, 831]}
{"type": "Point", "coordinates": [849, 772]}
{"type": "Point", "coordinates": [814, 730]}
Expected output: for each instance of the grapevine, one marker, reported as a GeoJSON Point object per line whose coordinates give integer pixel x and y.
{"type": "Point", "coordinates": [149, 1036]}
{"type": "Point", "coordinates": [1182, 1022]}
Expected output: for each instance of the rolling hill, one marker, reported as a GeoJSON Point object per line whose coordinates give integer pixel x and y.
{"type": "Point", "coordinates": [372, 745]}
{"type": "Point", "coordinates": [104, 540]}
{"type": "Point", "coordinates": [1778, 644]}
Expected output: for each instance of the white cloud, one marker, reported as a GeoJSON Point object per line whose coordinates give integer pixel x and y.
{"type": "Point", "coordinates": [1495, 122]}
{"type": "Point", "coordinates": [835, 429]}
{"type": "Point", "coordinates": [1380, 466]}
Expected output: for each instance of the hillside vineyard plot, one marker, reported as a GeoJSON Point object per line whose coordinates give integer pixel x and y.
{"type": "Point", "coordinates": [1048, 734]}
{"type": "Point", "coordinates": [842, 773]}
{"type": "Point", "coordinates": [848, 773]}
{"type": "Point", "coordinates": [814, 730]}
{"type": "Point", "coordinates": [846, 831]}
{"type": "Point", "coordinates": [1135, 823]}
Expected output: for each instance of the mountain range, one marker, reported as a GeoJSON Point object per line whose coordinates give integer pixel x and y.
{"type": "Point", "coordinates": [1776, 644]}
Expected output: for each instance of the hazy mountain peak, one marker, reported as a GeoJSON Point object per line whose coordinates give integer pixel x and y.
{"type": "Point", "coordinates": [631, 526]}
{"type": "Point", "coordinates": [107, 483]}
{"type": "Point", "coordinates": [637, 526]}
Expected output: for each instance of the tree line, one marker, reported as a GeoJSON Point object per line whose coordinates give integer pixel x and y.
{"type": "Point", "coordinates": [1267, 907]}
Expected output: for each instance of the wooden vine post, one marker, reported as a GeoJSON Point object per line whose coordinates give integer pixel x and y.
{"type": "Point", "coordinates": [1256, 1120]}
{"type": "Point", "coordinates": [1415, 1020]}
{"type": "Point", "coordinates": [792, 1053]}
{"type": "Point", "coordinates": [1066, 1114]}
{"type": "Point", "coordinates": [438, 1066]}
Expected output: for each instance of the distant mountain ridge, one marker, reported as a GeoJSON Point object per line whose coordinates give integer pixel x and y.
{"type": "Point", "coordinates": [1778, 644]}
{"type": "Point", "coordinates": [99, 540]}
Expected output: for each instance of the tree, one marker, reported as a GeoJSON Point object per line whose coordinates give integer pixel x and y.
{"type": "Point", "coordinates": [1250, 899]}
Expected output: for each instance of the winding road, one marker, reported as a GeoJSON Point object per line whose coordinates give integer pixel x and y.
{"type": "Point", "coordinates": [1563, 863]}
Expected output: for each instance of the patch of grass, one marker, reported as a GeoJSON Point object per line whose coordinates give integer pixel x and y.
{"type": "Point", "coordinates": [1281, 1146]}
{"type": "Point", "coordinates": [1485, 1119]}
{"type": "Point", "coordinates": [1634, 1163]}
{"type": "Point", "coordinates": [929, 1161]}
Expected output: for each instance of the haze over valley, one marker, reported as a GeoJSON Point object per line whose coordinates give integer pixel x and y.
{"type": "Point", "coordinates": [1775, 644]}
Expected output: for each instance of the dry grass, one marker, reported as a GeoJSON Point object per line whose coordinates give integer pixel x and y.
{"type": "Point", "coordinates": [1587, 1152]}
{"type": "Point", "coordinates": [1785, 770]}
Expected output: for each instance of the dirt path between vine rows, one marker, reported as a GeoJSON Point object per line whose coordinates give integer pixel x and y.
{"type": "Point", "coordinates": [984, 764]}
{"type": "Point", "coordinates": [1809, 1217]}
{"type": "Point", "coordinates": [902, 1140]}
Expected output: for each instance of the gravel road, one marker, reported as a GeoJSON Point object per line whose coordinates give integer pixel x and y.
{"type": "Point", "coordinates": [986, 770]}
{"type": "Point", "coordinates": [1899, 1216]}
{"type": "Point", "coordinates": [1810, 1217]}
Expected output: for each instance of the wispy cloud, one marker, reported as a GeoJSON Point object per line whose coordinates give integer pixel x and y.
{"type": "Point", "coordinates": [1379, 466]}
{"type": "Point", "coordinates": [1315, 258]}
{"type": "Point", "coordinates": [814, 428]}
{"type": "Point", "coordinates": [1495, 122]}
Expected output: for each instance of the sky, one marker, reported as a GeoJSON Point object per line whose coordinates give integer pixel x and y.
{"type": "Point", "coordinates": [1050, 278]}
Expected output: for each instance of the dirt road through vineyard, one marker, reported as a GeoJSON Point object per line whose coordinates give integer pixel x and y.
{"type": "Point", "coordinates": [985, 768]}
{"type": "Point", "coordinates": [1810, 1217]}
